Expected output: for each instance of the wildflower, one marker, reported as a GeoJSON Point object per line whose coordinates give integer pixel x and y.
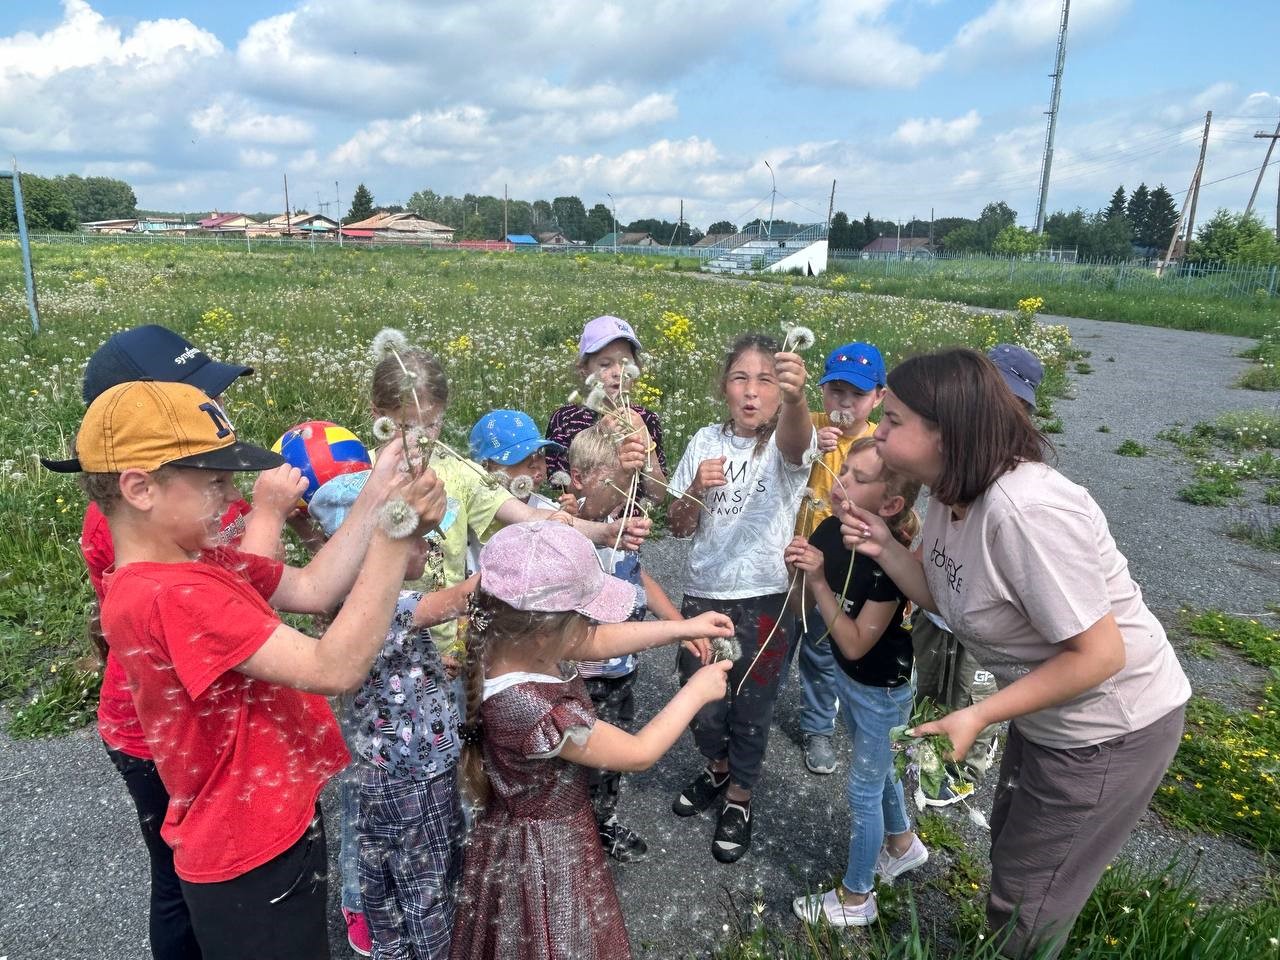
{"type": "Point", "coordinates": [384, 429]}
{"type": "Point", "coordinates": [559, 479]}
{"type": "Point", "coordinates": [841, 418]}
{"type": "Point", "coordinates": [799, 339]}
{"type": "Point", "coordinates": [388, 342]}
{"type": "Point", "coordinates": [574, 397]}
{"type": "Point", "coordinates": [726, 648]}
{"type": "Point", "coordinates": [596, 399]}
{"type": "Point", "coordinates": [630, 371]}
{"type": "Point", "coordinates": [397, 519]}
{"type": "Point", "coordinates": [521, 486]}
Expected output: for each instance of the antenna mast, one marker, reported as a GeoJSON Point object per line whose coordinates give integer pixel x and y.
{"type": "Point", "coordinates": [1053, 117]}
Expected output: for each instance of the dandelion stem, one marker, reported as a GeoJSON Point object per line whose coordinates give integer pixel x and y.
{"type": "Point", "coordinates": [675, 493]}
{"type": "Point", "coordinates": [790, 587]}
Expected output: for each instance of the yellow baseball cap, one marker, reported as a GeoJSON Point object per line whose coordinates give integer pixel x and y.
{"type": "Point", "coordinates": [147, 424]}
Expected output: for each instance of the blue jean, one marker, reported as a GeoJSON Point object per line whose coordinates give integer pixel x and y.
{"type": "Point", "coordinates": [817, 669]}
{"type": "Point", "coordinates": [876, 803]}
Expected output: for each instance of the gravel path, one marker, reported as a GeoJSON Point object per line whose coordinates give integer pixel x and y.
{"type": "Point", "coordinates": [74, 881]}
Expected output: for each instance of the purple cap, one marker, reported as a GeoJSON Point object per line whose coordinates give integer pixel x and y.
{"type": "Point", "coordinates": [602, 331]}
{"type": "Point", "coordinates": [548, 567]}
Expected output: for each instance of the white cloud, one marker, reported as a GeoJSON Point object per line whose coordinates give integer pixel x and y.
{"type": "Point", "coordinates": [237, 120]}
{"type": "Point", "coordinates": [253, 157]}
{"type": "Point", "coordinates": [848, 42]}
{"type": "Point", "coordinates": [935, 131]}
{"type": "Point", "coordinates": [1015, 27]}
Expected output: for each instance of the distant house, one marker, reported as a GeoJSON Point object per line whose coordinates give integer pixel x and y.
{"type": "Point", "coordinates": [400, 226]}
{"type": "Point", "coordinates": [554, 238]}
{"type": "Point", "coordinates": [522, 239]}
{"type": "Point", "coordinates": [300, 223]}
{"type": "Point", "coordinates": [711, 239]}
{"type": "Point", "coordinates": [227, 223]}
{"type": "Point", "coordinates": [627, 240]}
{"type": "Point", "coordinates": [895, 246]}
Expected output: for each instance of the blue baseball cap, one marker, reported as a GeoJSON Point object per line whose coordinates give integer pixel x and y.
{"type": "Point", "coordinates": [332, 504]}
{"type": "Point", "coordinates": [859, 364]}
{"type": "Point", "coordinates": [506, 437]}
{"type": "Point", "coordinates": [1020, 369]}
{"type": "Point", "coordinates": [153, 352]}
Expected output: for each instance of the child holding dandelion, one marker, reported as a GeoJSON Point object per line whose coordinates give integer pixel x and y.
{"type": "Point", "coordinates": [852, 387]}
{"type": "Point", "coordinates": [609, 363]}
{"type": "Point", "coordinates": [535, 883]}
{"type": "Point", "coordinates": [601, 485]}
{"type": "Point", "coordinates": [737, 490]}
{"type": "Point", "coordinates": [861, 609]}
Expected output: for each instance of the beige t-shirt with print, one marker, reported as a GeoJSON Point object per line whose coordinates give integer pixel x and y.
{"type": "Point", "coordinates": [1031, 564]}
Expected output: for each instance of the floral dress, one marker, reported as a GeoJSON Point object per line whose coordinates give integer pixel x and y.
{"type": "Point", "coordinates": [535, 884]}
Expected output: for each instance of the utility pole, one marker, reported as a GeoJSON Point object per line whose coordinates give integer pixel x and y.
{"type": "Point", "coordinates": [679, 221]}
{"type": "Point", "coordinates": [1188, 201]}
{"type": "Point", "coordinates": [288, 217]}
{"type": "Point", "coordinates": [1195, 194]}
{"type": "Point", "coordinates": [614, 205]}
{"type": "Point", "coordinates": [831, 205]}
{"type": "Point", "coordinates": [504, 211]}
{"type": "Point", "coordinates": [773, 195]}
{"type": "Point", "coordinates": [337, 211]}
{"type": "Point", "coordinates": [931, 226]}
{"type": "Point", "coordinates": [1054, 97]}
{"type": "Point", "coordinates": [1262, 172]}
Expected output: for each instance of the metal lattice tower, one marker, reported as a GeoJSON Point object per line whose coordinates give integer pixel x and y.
{"type": "Point", "coordinates": [1054, 97]}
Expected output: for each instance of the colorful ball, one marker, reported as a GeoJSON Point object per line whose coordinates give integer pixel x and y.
{"type": "Point", "coordinates": [322, 451]}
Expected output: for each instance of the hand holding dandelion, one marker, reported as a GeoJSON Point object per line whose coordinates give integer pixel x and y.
{"type": "Point", "coordinates": [960, 729]}
{"type": "Point", "coordinates": [277, 491]}
{"type": "Point", "coordinates": [829, 437]}
{"type": "Point", "coordinates": [797, 338]}
{"type": "Point", "coordinates": [791, 376]}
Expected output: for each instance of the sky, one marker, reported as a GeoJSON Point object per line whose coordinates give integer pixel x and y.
{"type": "Point", "coordinates": [911, 106]}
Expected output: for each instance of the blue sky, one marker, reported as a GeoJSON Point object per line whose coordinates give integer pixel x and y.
{"type": "Point", "coordinates": [908, 104]}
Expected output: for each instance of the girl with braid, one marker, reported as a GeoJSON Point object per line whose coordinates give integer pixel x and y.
{"type": "Point", "coordinates": [535, 881]}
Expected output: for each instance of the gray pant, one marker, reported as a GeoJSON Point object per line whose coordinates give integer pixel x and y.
{"type": "Point", "coordinates": [1059, 818]}
{"type": "Point", "coordinates": [945, 673]}
{"type": "Point", "coordinates": [737, 727]}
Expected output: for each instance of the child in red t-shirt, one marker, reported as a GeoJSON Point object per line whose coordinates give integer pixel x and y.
{"type": "Point", "coordinates": [216, 678]}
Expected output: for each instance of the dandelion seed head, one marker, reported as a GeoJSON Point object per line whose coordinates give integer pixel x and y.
{"type": "Point", "coordinates": [630, 371]}
{"type": "Point", "coordinates": [575, 397]}
{"type": "Point", "coordinates": [384, 428]}
{"type": "Point", "coordinates": [521, 486]}
{"type": "Point", "coordinates": [841, 418]}
{"type": "Point", "coordinates": [397, 519]}
{"type": "Point", "coordinates": [559, 479]}
{"type": "Point", "coordinates": [801, 338]}
{"type": "Point", "coordinates": [388, 342]}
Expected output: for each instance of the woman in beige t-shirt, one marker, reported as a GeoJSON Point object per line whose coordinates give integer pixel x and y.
{"type": "Point", "coordinates": [1020, 562]}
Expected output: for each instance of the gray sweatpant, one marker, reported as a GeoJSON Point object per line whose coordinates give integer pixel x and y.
{"type": "Point", "coordinates": [1059, 818]}
{"type": "Point", "coordinates": [945, 673]}
{"type": "Point", "coordinates": [737, 726]}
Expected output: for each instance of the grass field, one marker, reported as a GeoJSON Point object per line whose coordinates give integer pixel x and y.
{"type": "Point", "coordinates": [506, 326]}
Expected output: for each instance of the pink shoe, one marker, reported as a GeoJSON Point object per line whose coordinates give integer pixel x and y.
{"type": "Point", "coordinates": [358, 934]}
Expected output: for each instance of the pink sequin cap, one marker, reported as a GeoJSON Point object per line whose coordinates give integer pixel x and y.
{"type": "Point", "coordinates": [549, 567]}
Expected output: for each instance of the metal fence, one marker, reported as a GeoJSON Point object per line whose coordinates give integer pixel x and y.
{"type": "Point", "coordinates": [1210, 280]}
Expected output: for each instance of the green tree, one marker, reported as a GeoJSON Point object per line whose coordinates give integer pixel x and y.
{"type": "Point", "coordinates": [426, 203]}
{"type": "Point", "coordinates": [542, 215]}
{"type": "Point", "coordinates": [599, 222]}
{"type": "Point", "coordinates": [1116, 208]}
{"type": "Point", "coordinates": [99, 198]}
{"type": "Point", "coordinates": [571, 216]}
{"type": "Point", "coordinates": [1137, 211]}
{"type": "Point", "coordinates": [1162, 220]}
{"type": "Point", "coordinates": [722, 226]}
{"type": "Point", "coordinates": [1015, 241]}
{"type": "Point", "coordinates": [968, 238]}
{"type": "Point", "coordinates": [45, 206]}
{"type": "Point", "coordinates": [1234, 238]}
{"type": "Point", "coordinates": [838, 235]}
{"type": "Point", "coordinates": [361, 205]}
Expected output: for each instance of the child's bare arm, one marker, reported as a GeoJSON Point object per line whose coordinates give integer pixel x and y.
{"type": "Point", "coordinates": [444, 605]}
{"type": "Point", "coordinates": [853, 636]}
{"type": "Point", "coordinates": [795, 426]}
{"type": "Point", "coordinates": [657, 600]}
{"type": "Point", "coordinates": [275, 495]}
{"type": "Point", "coordinates": [610, 748]}
{"type": "Point", "coordinates": [619, 639]}
{"type": "Point", "coordinates": [601, 534]}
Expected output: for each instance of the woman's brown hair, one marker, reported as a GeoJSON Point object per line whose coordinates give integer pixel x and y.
{"type": "Point", "coordinates": [492, 625]}
{"type": "Point", "coordinates": [986, 431]}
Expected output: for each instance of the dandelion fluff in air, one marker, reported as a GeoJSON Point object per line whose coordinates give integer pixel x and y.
{"type": "Point", "coordinates": [521, 486]}
{"type": "Point", "coordinates": [398, 519]}
{"type": "Point", "coordinates": [388, 342]}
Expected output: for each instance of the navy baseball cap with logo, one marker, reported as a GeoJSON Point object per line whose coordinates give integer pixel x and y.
{"type": "Point", "coordinates": [506, 437]}
{"type": "Point", "coordinates": [154, 352]}
{"type": "Point", "coordinates": [1020, 369]}
{"type": "Point", "coordinates": [859, 364]}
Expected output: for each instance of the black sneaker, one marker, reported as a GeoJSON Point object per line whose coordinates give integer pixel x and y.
{"type": "Point", "coordinates": [620, 842]}
{"type": "Point", "coordinates": [701, 793]}
{"type": "Point", "coordinates": [733, 832]}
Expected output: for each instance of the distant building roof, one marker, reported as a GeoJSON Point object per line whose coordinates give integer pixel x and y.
{"type": "Point", "coordinates": [553, 236]}
{"type": "Point", "coordinates": [713, 238]}
{"type": "Point", "coordinates": [407, 222]}
{"type": "Point", "coordinates": [522, 238]}
{"type": "Point", "coordinates": [224, 219]}
{"type": "Point", "coordinates": [894, 244]}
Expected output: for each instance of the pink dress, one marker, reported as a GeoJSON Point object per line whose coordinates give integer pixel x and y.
{"type": "Point", "coordinates": [535, 884]}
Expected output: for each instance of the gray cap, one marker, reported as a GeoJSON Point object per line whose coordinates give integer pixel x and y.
{"type": "Point", "coordinates": [1020, 369]}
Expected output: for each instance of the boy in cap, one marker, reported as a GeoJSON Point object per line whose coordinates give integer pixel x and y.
{"type": "Point", "coordinates": [946, 673]}
{"type": "Point", "coordinates": [156, 353]}
{"type": "Point", "coordinates": [217, 679]}
{"type": "Point", "coordinates": [853, 384]}
{"type": "Point", "coordinates": [607, 350]}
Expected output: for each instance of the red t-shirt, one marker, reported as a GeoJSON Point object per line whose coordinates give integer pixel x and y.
{"type": "Point", "coordinates": [243, 759]}
{"type": "Point", "coordinates": [117, 719]}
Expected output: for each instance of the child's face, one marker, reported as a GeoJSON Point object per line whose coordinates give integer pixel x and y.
{"type": "Point", "coordinates": [601, 491]}
{"type": "Point", "coordinates": [849, 407]}
{"type": "Point", "coordinates": [534, 466]}
{"type": "Point", "coordinates": [751, 391]}
{"type": "Point", "coordinates": [607, 365]}
{"type": "Point", "coordinates": [188, 506]}
{"type": "Point", "coordinates": [430, 420]}
{"type": "Point", "coordinates": [860, 480]}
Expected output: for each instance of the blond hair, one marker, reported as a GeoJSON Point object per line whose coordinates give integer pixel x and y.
{"type": "Point", "coordinates": [593, 448]}
{"type": "Point", "coordinates": [905, 524]}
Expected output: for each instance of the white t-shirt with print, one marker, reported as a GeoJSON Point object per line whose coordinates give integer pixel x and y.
{"type": "Point", "coordinates": [737, 547]}
{"type": "Point", "coordinates": [1031, 564]}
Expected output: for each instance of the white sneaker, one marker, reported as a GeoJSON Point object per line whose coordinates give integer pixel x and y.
{"type": "Point", "coordinates": [889, 867]}
{"type": "Point", "coordinates": [830, 907]}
